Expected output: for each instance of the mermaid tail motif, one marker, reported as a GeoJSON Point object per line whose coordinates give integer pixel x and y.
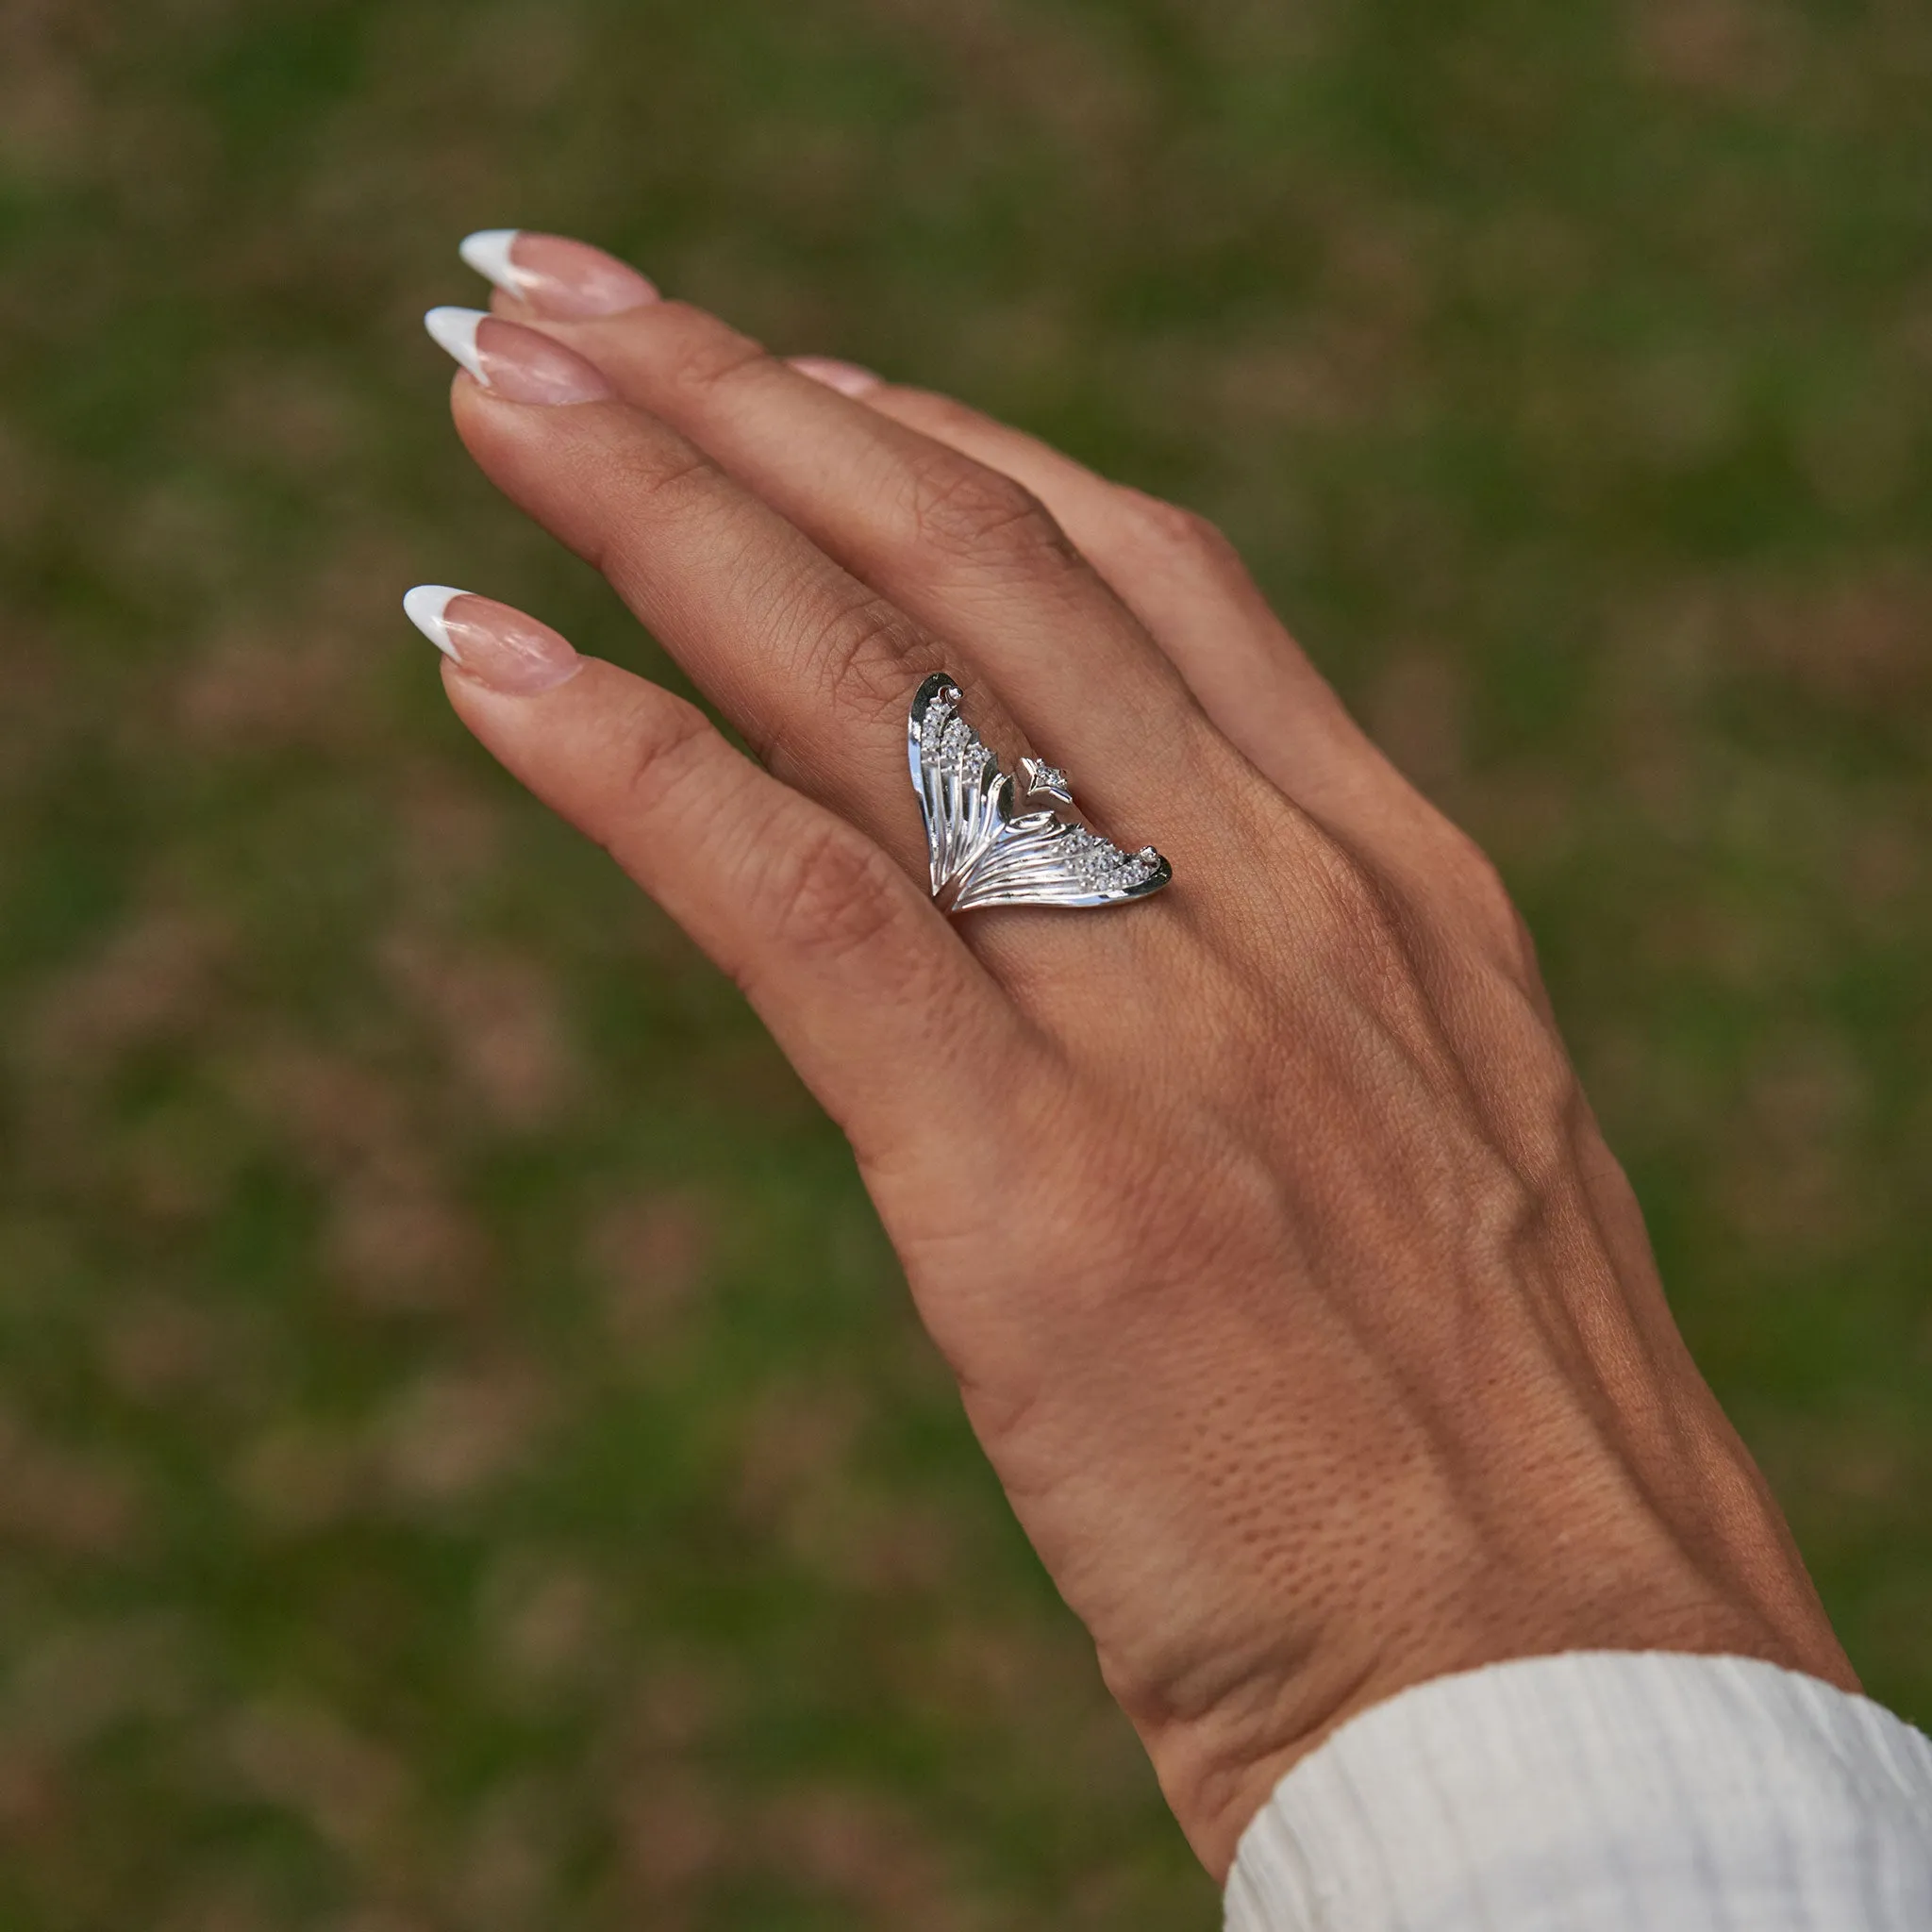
{"type": "Point", "coordinates": [983, 852]}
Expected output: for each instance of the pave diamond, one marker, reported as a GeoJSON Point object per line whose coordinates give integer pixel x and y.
{"type": "Point", "coordinates": [983, 852]}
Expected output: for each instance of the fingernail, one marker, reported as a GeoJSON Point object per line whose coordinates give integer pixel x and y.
{"type": "Point", "coordinates": [554, 274]}
{"type": "Point", "coordinates": [492, 643]}
{"type": "Point", "coordinates": [517, 364]}
{"type": "Point", "coordinates": [848, 378]}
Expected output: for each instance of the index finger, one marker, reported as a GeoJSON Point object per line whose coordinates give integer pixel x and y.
{"type": "Point", "coordinates": [864, 982]}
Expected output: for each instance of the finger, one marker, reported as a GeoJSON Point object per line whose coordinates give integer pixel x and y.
{"type": "Point", "coordinates": [1181, 579]}
{"type": "Point", "coordinates": [814, 667]}
{"type": "Point", "coordinates": [961, 547]}
{"type": "Point", "coordinates": [859, 978]}
{"type": "Point", "coordinates": [1186, 584]}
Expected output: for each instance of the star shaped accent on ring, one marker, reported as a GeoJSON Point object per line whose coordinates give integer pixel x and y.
{"type": "Point", "coordinates": [1042, 778]}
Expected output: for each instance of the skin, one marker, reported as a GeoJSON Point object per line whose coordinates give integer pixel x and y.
{"type": "Point", "coordinates": [1292, 1291]}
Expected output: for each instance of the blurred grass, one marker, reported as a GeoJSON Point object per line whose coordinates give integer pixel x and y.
{"type": "Point", "coordinates": [464, 1458]}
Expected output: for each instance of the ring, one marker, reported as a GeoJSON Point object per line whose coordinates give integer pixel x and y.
{"type": "Point", "coordinates": [983, 853]}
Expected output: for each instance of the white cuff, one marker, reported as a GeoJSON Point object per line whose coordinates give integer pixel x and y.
{"type": "Point", "coordinates": [1601, 1792]}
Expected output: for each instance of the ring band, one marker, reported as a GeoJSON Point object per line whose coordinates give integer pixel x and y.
{"type": "Point", "coordinates": [983, 852]}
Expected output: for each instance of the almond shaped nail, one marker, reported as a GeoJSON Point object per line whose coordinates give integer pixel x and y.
{"type": "Point", "coordinates": [557, 277]}
{"type": "Point", "coordinates": [495, 644]}
{"type": "Point", "coordinates": [516, 363]}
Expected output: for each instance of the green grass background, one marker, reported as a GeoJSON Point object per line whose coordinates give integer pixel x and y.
{"type": "Point", "coordinates": [465, 1460]}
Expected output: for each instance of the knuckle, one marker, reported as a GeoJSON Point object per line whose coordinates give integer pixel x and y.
{"type": "Point", "coordinates": [861, 657]}
{"type": "Point", "coordinates": [664, 744]}
{"type": "Point", "coordinates": [832, 893]}
{"type": "Point", "coordinates": [1356, 920]}
{"type": "Point", "coordinates": [698, 355]}
{"type": "Point", "coordinates": [1482, 889]}
{"type": "Point", "coordinates": [1182, 537]}
{"type": "Point", "coordinates": [1478, 881]}
{"type": "Point", "coordinates": [657, 474]}
{"type": "Point", "coordinates": [962, 508]}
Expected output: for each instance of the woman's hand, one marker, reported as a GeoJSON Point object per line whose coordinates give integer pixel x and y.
{"type": "Point", "coordinates": [1292, 1289]}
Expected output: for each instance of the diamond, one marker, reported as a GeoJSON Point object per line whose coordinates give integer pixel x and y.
{"type": "Point", "coordinates": [1044, 780]}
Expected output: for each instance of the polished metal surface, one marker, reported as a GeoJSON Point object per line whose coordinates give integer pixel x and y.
{"type": "Point", "coordinates": [983, 852]}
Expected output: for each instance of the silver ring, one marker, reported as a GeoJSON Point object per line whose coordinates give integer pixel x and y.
{"type": "Point", "coordinates": [984, 853]}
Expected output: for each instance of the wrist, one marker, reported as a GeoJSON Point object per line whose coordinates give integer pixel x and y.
{"type": "Point", "coordinates": [1219, 1756]}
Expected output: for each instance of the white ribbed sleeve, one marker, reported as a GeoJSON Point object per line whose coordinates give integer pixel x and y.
{"type": "Point", "coordinates": [1601, 1792]}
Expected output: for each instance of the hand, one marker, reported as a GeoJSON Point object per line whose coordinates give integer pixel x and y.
{"type": "Point", "coordinates": [1292, 1289]}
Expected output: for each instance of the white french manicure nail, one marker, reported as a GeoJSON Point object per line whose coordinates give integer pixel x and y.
{"type": "Point", "coordinates": [424, 606]}
{"type": "Point", "coordinates": [455, 329]}
{"type": "Point", "coordinates": [488, 252]}
{"type": "Point", "coordinates": [518, 364]}
{"type": "Point", "coordinates": [503, 648]}
{"type": "Point", "coordinates": [566, 280]}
